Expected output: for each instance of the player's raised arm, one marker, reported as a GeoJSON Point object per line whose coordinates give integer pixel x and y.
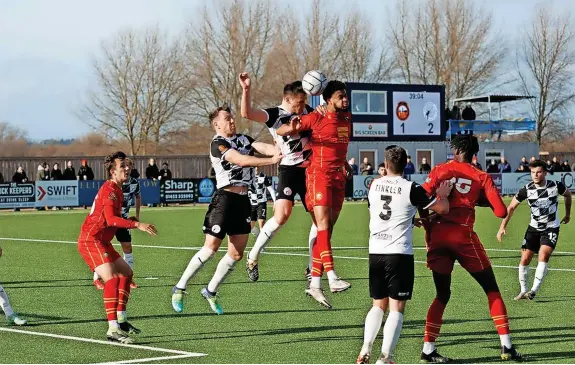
{"type": "Point", "coordinates": [257, 115]}
{"type": "Point", "coordinates": [438, 202]}
{"type": "Point", "coordinates": [237, 158]}
{"type": "Point", "coordinates": [492, 195]}
{"type": "Point", "coordinates": [265, 148]}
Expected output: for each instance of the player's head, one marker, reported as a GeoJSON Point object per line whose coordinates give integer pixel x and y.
{"type": "Point", "coordinates": [223, 121]}
{"type": "Point", "coordinates": [465, 146]}
{"type": "Point", "coordinates": [335, 95]}
{"type": "Point", "coordinates": [295, 97]}
{"type": "Point", "coordinates": [116, 166]}
{"type": "Point", "coordinates": [395, 160]}
{"type": "Point", "coordinates": [381, 169]}
{"type": "Point", "coordinates": [538, 171]}
{"type": "Point", "coordinates": [129, 165]}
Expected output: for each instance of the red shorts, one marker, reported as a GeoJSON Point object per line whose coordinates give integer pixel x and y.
{"type": "Point", "coordinates": [325, 188]}
{"type": "Point", "coordinates": [97, 253]}
{"type": "Point", "coordinates": [450, 242]}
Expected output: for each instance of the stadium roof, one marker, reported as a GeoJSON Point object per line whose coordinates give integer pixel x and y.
{"type": "Point", "coordinates": [492, 98]}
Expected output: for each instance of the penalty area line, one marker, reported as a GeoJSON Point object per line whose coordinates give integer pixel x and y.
{"type": "Point", "coordinates": [177, 354]}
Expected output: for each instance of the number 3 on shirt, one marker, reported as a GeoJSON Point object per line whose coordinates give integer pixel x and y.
{"type": "Point", "coordinates": [385, 213]}
{"type": "Point", "coordinates": [462, 185]}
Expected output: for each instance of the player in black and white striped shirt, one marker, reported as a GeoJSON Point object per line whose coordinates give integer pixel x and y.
{"type": "Point", "coordinates": [233, 159]}
{"type": "Point", "coordinates": [131, 190]}
{"type": "Point", "coordinates": [542, 234]}
{"type": "Point", "coordinates": [291, 172]}
{"type": "Point", "coordinates": [258, 199]}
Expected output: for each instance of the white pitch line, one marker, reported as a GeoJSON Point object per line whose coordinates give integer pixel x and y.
{"type": "Point", "coordinates": [101, 342]}
{"type": "Point", "coordinates": [267, 248]}
{"type": "Point", "coordinates": [290, 254]}
{"type": "Point", "coordinates": [138, 361]}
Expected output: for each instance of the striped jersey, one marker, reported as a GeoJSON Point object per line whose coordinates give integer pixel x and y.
{"type": "Point", "coordinates": [131, 190]}
{"type": "Point", "coordinates": [258, 189]}
{"type": "Point", "coordinates": [543, 202]}
{"type": "Point", "coordinates": [295, 148]}
{"type": "Point", "coordinates": [227, 173]}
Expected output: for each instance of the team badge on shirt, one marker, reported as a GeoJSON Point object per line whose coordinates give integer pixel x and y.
{"type": "Point", "coordinates": [318, 196]}
{"type": "Point", "coordinates": [113, 196]}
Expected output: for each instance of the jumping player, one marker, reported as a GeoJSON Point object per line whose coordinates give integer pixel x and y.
{"type": "Point", "coordinates": [259, 200]}
{"type": "Point", "coordinates": [543, 231]}
{"type": "Point", "coordinates": [11, 317]}
{"type": "Point", "coordinates": [451, 237]}
{"type": "Point", "coordinates": [325, 179]}
{"type": "Point", "coordinates": [393, 204]}
{"type": "Point", "coordinates": [291, 172]}
{"type": "Point", "coordinates": [131, 190]}
{"type": "Point", "coordinates": [229, 212]}
{"type": "Point", "coordinates": [95, 247]}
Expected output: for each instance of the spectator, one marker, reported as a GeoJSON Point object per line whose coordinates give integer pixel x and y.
{"type": "Point", "coordinates": [524, 163]}
{"type": "Point", "coordinates": [493, 168]}
{"type": "Point", "coordinates": [504, 166]}
{"type": "Point", "coordinates": [565, 167]}
{"type": "Point", "coordinates": [556, 164]}
{"type": "Point", "coordinates": [85, 172]}
{"type": "Point", "coordinates": [532, 159]}
{"type": "Point", "coordinates": [135, 173]}
{"type": "Point", "coordinates": [69, 172]}
{"type": "Point", "coordinates": [40, 172]}
{"type": "Point", "coordinates": [20, 176]}
{"type": "Point", "coordinates": [365, 168]}
{"type": "Point", "coordinates": [424, 168]}
{"type": "Point", "coordinates": [409, 167]}
{"type": "Point", "coordinates": [522, 168]}
{"type": "Point", "coordinates": [353, 166]}
{"type": "Point", "coordinates": [152, 171]}
{"type": "Point", "coordinates": [476, 164]}
{"type": "Point", "coordinates": [381, 169]}
{"type": "Point", "coordinates": [47, 176]}
{"type": "Point", "coordinates": [573, 167]}
{"type": "Point", "coordinates": [549, 166]}
{"type": "Point", "coordinates": [56, 173]}
{"type": "Point", "coordinates": [468, 113]}
{"type": "Point", "coordinates": [165, 172]}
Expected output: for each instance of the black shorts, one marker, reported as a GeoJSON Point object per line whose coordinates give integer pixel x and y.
{"type": "Point", "coordinates": [291, 181]}
{"type": "Point", "coordinates": [123, 235]}
{"type": "Point", "coordinates": [259, 212]}
{"type": "Point", "coordinates": [534, 239]}
{"type": "Point", "coordinates": [228, 213]}
{"type": "Point", "coordinates": [391, 275]}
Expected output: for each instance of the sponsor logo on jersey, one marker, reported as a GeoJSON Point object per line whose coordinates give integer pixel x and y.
{"type": "Point", "coordinates": [342, 131]}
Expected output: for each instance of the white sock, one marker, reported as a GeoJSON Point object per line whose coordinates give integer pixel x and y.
{"type": "Point", "coordinates": [315, 282]}
{"type": "Point", "coordinates": [506, 340]}
{"type": "Point", "coordinates": [373, 322]}
{"type": "Point", "coordinates": [331, 276]}
{"type": "Point", "coordinates": [428, 347]}
{"type": "Point", "coordinates": [196, 263]}
{"type": "Point", "coordinates": [391, 332]}
{"type": "Point", "coordinates": [523, 277]}
{"type": "Point", "coordinates": [4, 303]}
{"type": "Point", "coordinates": [225, 267]}
{"type": "Point", "coordinates": [311, 241]}
{"type": "Point", "coordinates": [129, 258]}
{"type": "Point", "coordinates": [96, 276]}
{"type": "Point", "coordinates": [540, 273]}
{"type": "Point", "coordinates": [113, 324]}
{"type": "Point", "coordinates": [267, 232]}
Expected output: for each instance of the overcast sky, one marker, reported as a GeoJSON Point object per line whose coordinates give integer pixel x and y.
{"type": "Point", "coordinates": [46, 48]}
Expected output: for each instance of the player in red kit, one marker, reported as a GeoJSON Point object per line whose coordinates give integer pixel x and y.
{"type": "Point", "coordinates": [325, 179]}
{"type": "Point", "coordinates": [94, 244]}
{"type": "Point", "coordinates": [451, 237]}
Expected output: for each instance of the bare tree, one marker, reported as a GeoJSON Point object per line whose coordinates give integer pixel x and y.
{"type": "Point", "coordinates": [233, 38]}
{"type": "Point", "coordinates": [142, 88]}
{"type": "Point", "coordinates": [450, 42]}
{"type": "Point", "coordinates": [546, 61]}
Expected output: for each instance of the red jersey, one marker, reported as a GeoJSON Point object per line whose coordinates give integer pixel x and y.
{"type": "Point", "coordinates": [329, 138]}
{"type": "Point", "coordinates": [105, 217]}
{"type": "Point", "coordinates": [471, 185]}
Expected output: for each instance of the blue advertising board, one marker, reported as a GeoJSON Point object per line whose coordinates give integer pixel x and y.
{"type": "Point", "coordinates": [206, 189]}
{"type": "Point", "coordinates": [87, 190]}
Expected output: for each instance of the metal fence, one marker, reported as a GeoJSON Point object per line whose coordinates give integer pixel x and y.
{"type": "Point", "coordinates": [181, 166]}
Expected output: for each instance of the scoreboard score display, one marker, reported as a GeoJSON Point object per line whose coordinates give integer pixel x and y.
{"type": "Point", "coordinates": [395, 112]}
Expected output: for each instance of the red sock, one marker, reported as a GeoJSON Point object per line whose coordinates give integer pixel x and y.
{"type": "Point", "coordinates": [434, 320]}
{"type": "Point", "coordinates": [325, 253]}
{"type": "Point", "coordinates": [317, 264]}
{"type": "Point", "coordinates": [123, 293]}
{"type": "Point", "coordinates": [498, 313]}
{"type": "Point", "coordinates": [111, 298]}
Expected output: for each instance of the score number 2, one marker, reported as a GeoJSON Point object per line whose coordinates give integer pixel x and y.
{"type": "Point", "coordinates": [430, 125]}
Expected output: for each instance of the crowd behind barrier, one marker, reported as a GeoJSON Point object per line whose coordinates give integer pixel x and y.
{"type": "Point", "coordinates": [191, 191]}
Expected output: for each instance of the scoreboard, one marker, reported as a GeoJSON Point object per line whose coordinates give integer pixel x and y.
{"type": "Point", "coordinates": [396, 112]}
